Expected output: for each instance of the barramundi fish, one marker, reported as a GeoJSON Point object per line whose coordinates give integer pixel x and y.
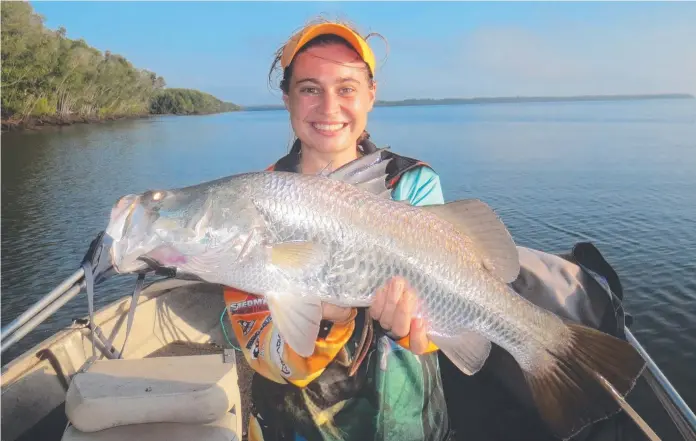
{"type": "Point", "coordinates": [336, 237]}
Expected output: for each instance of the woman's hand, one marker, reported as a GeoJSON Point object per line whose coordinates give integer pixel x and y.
{"type": "Point", "coordinates": [335, 313]}
{"type": "Point", "coordinates": [394, 306]}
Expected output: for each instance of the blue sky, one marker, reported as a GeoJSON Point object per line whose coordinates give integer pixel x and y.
{"type": "Point", "coordinates": [436, 49]}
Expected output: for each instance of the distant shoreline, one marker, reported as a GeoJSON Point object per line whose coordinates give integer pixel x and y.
{"type": "Point", "coordinates": [49, 121]}
{"type": "Point", "coordinates": [34, 123]}
{"type": "Point", "coordinates": [497, 100]}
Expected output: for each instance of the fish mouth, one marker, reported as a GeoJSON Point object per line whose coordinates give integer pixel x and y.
{"type": "Point", "coordinates": [125, 257]}
{"type": "Point", "coordinates": [120, 216]}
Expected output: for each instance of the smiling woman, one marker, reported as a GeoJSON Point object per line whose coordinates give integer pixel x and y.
{"type": "Point", "coordinates": [329, 88]}
{"type": "Point", "coordinates": [373, 374]}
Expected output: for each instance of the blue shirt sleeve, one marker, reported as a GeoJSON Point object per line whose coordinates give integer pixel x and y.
{"type": "Point", "coordinates": [420, 186]}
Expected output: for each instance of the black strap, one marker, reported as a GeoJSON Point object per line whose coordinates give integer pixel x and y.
{"type": "Point", "coordinates": [133, 306]}
{"type": "Point", "coordinates": [291, 161]}
{"type": "Point", "coordinates": [89, 286]}
{"type": "Point", "coordinates": [395, 169]}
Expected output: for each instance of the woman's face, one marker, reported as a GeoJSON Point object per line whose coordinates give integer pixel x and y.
{"type": "Point", "coordinates": [329, 97]}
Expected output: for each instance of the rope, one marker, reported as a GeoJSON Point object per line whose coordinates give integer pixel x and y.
{"type": "Point", "coordinates": [224, 331]}
{"type": "Point", "coordinates": [89, 286]}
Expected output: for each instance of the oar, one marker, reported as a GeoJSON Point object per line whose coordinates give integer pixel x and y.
{"type": "Point", "coordinates": [99, 260]}
{"type": "Point", "coordinates": [42, 309]}
{"type": "Point", "coordinates": [41, 304]}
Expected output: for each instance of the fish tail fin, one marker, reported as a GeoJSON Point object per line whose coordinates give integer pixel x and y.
{"type": "Point", "coordinates": [568, 391]}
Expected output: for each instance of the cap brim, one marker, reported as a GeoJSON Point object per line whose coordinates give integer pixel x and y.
{"type": "Point", "coordinates": [344, 32]}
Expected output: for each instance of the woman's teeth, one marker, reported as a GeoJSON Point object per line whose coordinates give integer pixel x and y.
{"type": "Point", "coordinates": [328, 127]}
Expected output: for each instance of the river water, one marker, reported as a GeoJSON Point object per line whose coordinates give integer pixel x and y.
{"type": "Point", "coordinates": [619, 174]}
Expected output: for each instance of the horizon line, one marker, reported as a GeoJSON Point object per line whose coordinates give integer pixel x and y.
{"type": "Point", "coordinates": [636, 96]}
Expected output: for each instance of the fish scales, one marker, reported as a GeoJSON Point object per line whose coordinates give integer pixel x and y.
{"type": "Point", "coordinates": [394, 239]}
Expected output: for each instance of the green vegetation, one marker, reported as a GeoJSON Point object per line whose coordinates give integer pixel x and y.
{"type": "Point", "coordinates": [188, 102]}
{"type": "Point", "coordinates": [48, 78]}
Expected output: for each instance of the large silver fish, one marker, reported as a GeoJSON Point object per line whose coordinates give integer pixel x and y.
{"type": "Point", "coordinates": [299, 240]}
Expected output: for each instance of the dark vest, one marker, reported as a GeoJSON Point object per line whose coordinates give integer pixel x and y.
{"type": "Point", "coordinates": [395, 169]}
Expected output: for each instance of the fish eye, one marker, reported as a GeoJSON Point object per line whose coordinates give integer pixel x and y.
{"type": "Point", "coordinates": [153, 196]}
{"type": "Point", "coordinates": [153, 199]}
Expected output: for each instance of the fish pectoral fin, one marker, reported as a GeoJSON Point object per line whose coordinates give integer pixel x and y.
{"type": "Point", "coordinates": [297, 254]}
{"type": "Point", "coordinates": [468, 350]}
{"type": "Point", "coordinates": [478, 221]}
{"type": "Point", "coordinates": [298, 319]}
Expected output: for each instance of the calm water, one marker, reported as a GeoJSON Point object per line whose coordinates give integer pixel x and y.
{"type": "Point", "coordinates": [622, 175]}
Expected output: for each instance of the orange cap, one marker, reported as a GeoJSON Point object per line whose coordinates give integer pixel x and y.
{"type": "Point", "coordinates": [301, 38]}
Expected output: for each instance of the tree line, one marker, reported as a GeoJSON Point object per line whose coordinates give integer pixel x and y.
{"type": "Point", "coordinates": [46, 75]}
{"type": "Point", "coordinates": [187, 102]}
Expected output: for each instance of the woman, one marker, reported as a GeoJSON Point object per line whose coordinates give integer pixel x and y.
{"type": "Point", "coordinates": [374, 375]}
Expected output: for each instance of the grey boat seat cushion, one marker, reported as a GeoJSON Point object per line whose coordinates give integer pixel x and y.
{"type": "Point", "coordinates": [220, 430]}
{"type": "Point", "coordinates": [197, 389]}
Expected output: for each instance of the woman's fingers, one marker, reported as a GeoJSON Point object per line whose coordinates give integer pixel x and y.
{"type": "Point", "coordinates": [393, 307]}
{"type": "Point", "coordinates": [418, 339]}
{"type": "Point", "coordinates": [393, 296]}
{"type": "Point", "coordinates": [378, 302]}
{"type": "Point", "coordinates": [401, 321]}
{"type": "Point", "coordinates": [335, 313]}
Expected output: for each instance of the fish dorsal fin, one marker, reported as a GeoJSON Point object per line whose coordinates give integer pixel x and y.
{"type": "Point", "coordinates": [479, 222]}
{"type": "Point", "coordinates": [368, 173]}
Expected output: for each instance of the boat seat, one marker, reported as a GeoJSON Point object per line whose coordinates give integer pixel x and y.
{"type": "Point", "coordinates": [220, 430]}
{"type": "Point", "coordinates": [199, 390]}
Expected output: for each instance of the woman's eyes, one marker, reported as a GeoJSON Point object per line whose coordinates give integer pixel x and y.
{"type": "Point", "coordinates": [316, 90]}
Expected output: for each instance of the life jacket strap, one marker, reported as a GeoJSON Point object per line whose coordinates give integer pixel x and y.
{"type": "Point", "coordinates": [395, 169]}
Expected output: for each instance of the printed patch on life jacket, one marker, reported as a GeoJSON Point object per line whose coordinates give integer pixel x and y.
{"type": "Point", "coordinates": [250, 305]}
{"type": "Point", "coordinates": [277, 348]}
{"type": "Point", "coordinates": [255, 350]}
{"type": "Point", "coordinates": [257, 334]}
{"type": "Point", "coordinates": [246, 325]}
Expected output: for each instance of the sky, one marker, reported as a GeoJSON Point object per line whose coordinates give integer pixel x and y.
{"type": "Point", "coordinates": [435, 49]}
